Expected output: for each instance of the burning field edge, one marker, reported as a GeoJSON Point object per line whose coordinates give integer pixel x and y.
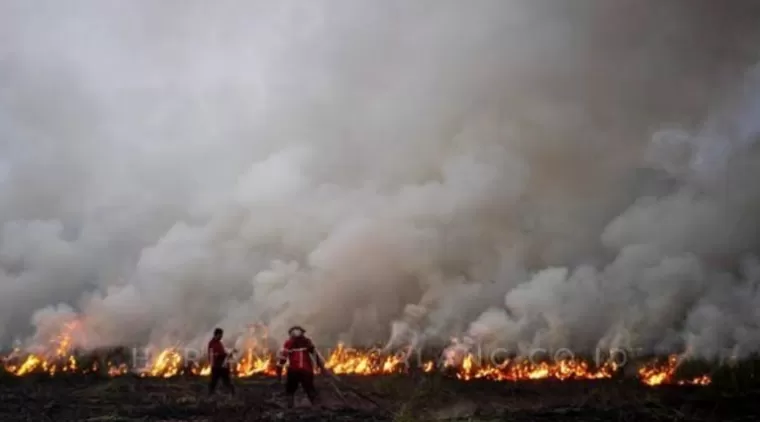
{"type": "Point", "coordinates": [62, 383]}
{"type": "Point", "coordinates": [391, 397]}
{"type": "Point", "coordinates": [460, 360]}
{"type": "Point", "coordinates": [59, 382]}
{"type": "Point", "coordinates": [170, 362]}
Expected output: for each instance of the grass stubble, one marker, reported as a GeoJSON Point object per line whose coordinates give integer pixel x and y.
{"type": "Point", "coordinates": [733, 395]}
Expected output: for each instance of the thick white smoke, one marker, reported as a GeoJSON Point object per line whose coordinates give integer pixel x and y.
{"type": "Point", "coordinates": [387, 169]}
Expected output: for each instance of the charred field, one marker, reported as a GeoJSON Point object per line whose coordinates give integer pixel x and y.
{"type": "Point", "coordinates": [732, 396]}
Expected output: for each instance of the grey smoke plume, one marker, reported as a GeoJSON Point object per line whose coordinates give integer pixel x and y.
{"type": "Point", "coordinates": [525, 173]}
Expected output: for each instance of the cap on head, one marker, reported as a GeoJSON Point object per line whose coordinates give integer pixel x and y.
{"type": "Point", "coordinates": [296, 330]}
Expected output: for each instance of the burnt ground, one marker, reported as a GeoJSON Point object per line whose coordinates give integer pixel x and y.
{"type": "Point", "coordinates": [398, 398]}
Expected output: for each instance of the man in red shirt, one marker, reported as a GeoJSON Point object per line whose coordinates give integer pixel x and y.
{"type": "Point", "coordinates": [297, 352]}
{"type": "Point", "coordinates": [219, 359]}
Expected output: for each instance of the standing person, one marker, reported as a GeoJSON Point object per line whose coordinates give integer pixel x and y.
{"type": "Point", "coordinates": [220, 367]}
{"type": "Point", "coordinates": [297, 352]}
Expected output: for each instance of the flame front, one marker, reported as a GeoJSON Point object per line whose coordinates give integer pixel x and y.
{"type": "Point", "coordinates": [256, 360]}
{"type": "Point", "coordinates": [59, 360]}
{"type": "Point", "coordinates": [653, 374]}
{"type": "Point", "coordinates": [167, 364]}
{"type": "Point", "coordinates": [345, 361]}
{"type": "Point", "coordinates": [516, 370]}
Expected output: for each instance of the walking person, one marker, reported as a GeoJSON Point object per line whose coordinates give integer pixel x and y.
{"type": "Point", "coordinates": [220, 363]}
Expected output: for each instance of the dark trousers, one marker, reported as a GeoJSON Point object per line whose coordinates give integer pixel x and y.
{"type": "Point", "coordinates": [220, 374]}
{"type": "Point", "coordinates": [303, 378]}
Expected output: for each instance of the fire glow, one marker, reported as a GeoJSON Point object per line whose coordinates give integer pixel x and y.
{"type": "Point", "coordinates": [257, 361]}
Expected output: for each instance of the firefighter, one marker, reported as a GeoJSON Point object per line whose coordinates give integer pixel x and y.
{"type": "Point", "coordinates": [297, 352]}
{"type": "Point", "coordinates": [219, 359]}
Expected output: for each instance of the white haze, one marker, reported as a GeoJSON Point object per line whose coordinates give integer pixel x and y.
{"type": "Point", "coordinates": [573, 174]}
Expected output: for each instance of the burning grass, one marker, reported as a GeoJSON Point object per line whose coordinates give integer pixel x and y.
{"type": "Point", "coordinates": [58, 383]}
{"type": "Point", "coordinates": [255, 359]}
{"type": "Point", "coordinates": [170, 362]}
{"type": "Point", "coordinates": [375, 387]}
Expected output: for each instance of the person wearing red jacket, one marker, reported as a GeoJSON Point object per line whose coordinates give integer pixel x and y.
{"type": "Point", "coordinates": [219, 359]}
{"type": "Point", "coordinates": [297, 352]}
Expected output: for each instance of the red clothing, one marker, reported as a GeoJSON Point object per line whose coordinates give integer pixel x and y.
{"type": "Point", "coordinates": [297, 353]}
{"type": "Point", "coordinates": [216, 353]}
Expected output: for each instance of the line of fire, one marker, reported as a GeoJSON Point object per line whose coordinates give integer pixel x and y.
{"type": "Point", "coordinates": [255, 359]}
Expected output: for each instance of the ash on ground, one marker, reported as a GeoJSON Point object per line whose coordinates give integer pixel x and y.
{"type": "Point", "coordinates": [382, 398]}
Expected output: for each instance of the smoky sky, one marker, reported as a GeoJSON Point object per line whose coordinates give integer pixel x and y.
{"type": "Point", "coordinates": [525, 173]}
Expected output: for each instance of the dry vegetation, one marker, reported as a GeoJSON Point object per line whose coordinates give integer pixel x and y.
{"type": "Point", "coordinates": [733, 396]}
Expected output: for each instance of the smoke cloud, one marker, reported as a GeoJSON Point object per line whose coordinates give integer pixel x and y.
{"type": "Point", "coordinates": [524, 173]}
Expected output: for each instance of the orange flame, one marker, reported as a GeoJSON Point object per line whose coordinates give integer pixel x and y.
{"type": "Point", "coordinates": [517, 370]}
{"type": "Point", "coordinates": [653, 374]}
{"type": "Point", "coordinates": [343, 361]}
{"type": "Point", "coordinates": [256, 360]}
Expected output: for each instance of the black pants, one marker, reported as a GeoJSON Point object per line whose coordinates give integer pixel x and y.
{"type": "Point", "coordinates": [223, 374]}
{"type": "Point", "coordinates": [303, 378]}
